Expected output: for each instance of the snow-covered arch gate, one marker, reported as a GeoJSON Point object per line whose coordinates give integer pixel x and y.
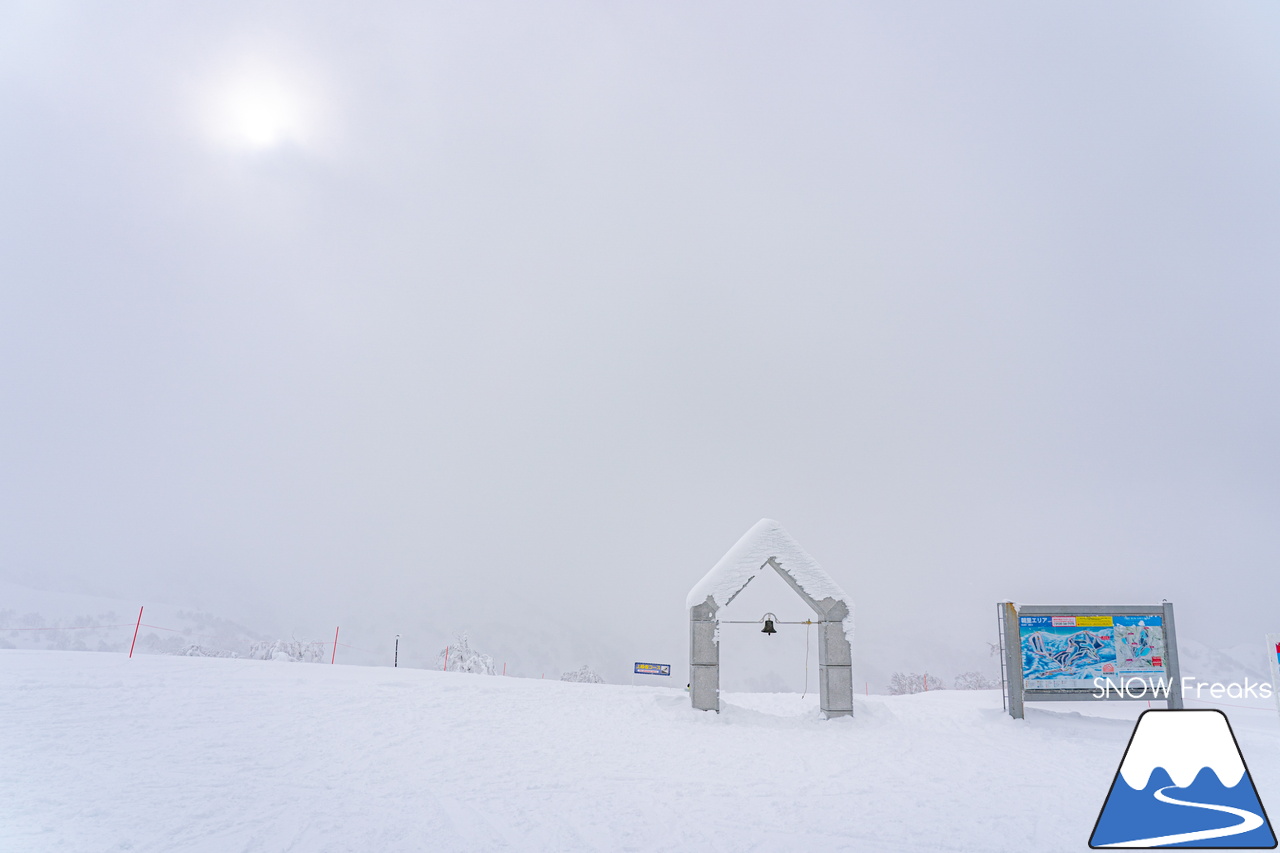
{"type": "Point", "coordinates": [767, 545]}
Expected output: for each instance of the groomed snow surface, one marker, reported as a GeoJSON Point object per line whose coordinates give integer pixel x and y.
{"type": "Point", "coordinates": [157, 753]}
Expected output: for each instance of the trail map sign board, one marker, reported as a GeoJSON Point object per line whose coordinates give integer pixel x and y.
{"type": "Point", "coordinates": [1088, 653]}
{"type": "Point", "coordinates": [652, 668]}
{"type": "Point", "coordinates": [1066, 652]}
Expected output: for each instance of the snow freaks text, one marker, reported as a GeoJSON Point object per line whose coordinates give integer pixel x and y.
{"type": "Point", "coordinates": [1158, 688]}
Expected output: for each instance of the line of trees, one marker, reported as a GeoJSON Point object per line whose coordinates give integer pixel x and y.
{"type": "Point", "coordinates": [902, 683]}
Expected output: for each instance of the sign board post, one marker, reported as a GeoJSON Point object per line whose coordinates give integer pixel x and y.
{"type": "Point", "coordinates": [1273, 655]}
{"type": "Point", "coordinates": [1069, 653]}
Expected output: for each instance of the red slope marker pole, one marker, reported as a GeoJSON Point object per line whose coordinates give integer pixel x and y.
{"type": "Point", "coordinates": [135, 632]}
{"type": "Point", "coordinates": [446, 658]}
{"type": "Point", "coordinates": [334, 656]}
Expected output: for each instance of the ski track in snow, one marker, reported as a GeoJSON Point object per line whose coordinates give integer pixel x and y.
{"type": "Point", "coordinates": [162, 754]}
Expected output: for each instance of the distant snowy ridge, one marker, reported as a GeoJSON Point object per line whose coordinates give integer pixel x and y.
{"type": "Point", "coordinates": [1183, 743]}
{"type": "Point", "coordinates": [43, 619]}
{"type": "Point", "coordinates": [1205, 663]}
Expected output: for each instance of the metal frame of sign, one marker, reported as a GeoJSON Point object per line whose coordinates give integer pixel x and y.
{"type": "Point", "coordinates": [1273, 655]}
{"type": "Point", "coordinates": [1016, 694]}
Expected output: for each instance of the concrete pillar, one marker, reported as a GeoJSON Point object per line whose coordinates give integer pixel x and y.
{"type": "Point", "coordinates": [1172, 668]}
{"type": "Point", "coordinates": [704, 657]}
{"type": "Point", "coordinates": [835, 661]}
{"type": "Point", "coordinates": [1013, 660]}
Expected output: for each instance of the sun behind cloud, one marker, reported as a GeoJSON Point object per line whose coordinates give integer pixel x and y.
{"type": "Point", "coordinates": [259, 106]}
{"type": "Point", "coordinates": [263, 114]}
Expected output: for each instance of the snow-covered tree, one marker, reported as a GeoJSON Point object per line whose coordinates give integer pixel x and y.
{"type": "Point", "coordinates": [459, 656]}
{"type": "Point", "coordinates": [586, 675]}
{"type": "Point", "coordinates": [975, 681]}
{"type": "Point", "coordinates": [901, 683]}
{"type": "Point", "coordinates": [196, 650]}
{"type": "Point", "coordinates": [290, 650]}
{"type": "Point", "coordinates": [167, 645]}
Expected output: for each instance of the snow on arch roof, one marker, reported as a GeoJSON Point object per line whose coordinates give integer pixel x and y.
{"type": "Point", "coordinates": [748, 557]}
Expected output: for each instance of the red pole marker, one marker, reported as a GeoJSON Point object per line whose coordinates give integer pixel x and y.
{"type": "Point", "coordinates": [335, 645]}
{"type": "Point", "coordinates": [135, 632]}
{"type": "Point", "coordinates": [446, 658]}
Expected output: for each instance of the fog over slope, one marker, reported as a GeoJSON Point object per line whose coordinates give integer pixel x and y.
{"type": "Point", "coordinates": [429, 318]}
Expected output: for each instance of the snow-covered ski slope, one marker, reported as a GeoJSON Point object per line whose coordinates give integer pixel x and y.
{"type": "Point", "coordinates": [102, 753]}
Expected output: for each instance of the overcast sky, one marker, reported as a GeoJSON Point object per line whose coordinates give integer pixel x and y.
{"type": "Point", "coordinates": [429, 317]}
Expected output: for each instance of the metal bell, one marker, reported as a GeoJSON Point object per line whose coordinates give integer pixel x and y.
{"type": "Point", "coordinates": [768, 628]}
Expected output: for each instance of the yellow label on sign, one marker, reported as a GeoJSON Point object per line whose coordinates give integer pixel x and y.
{"type": "Point", "coordinates": [1093, 622]}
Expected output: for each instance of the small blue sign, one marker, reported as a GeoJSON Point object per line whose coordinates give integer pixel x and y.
{"type": "Point", "coordinates": [653, 669]}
